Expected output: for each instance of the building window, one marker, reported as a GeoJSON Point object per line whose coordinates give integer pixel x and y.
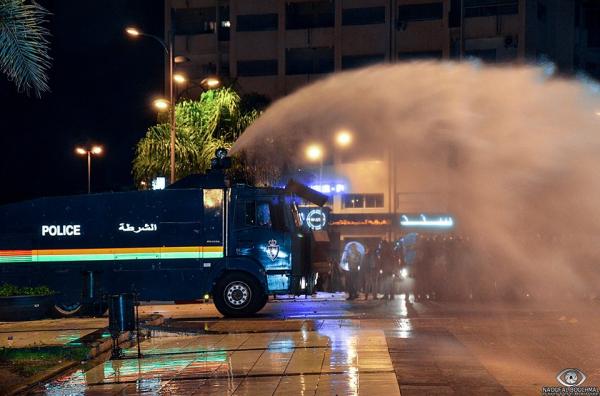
{"type": "Point", "coordinates": [224, 24]}
{"type": "Point", "coordinates": [362, 201]}
{"type": "Point", "coordinates": [257, 23]}
{"type": "Point", "coordinates": [485, 8]}
{"type": "Point", "coordinates": [593, 69]}
{"type": "Point", "coordinates": [454, 14]}
{"type": "Point", "coordinates": [307, 15]}
{"type": "Point", "coordinates": [542, 12]}
{"type": "Point", "coordinates": [363, 16]}
{"type": "Point", "coordinates": [420, 55]}
{"type": "Point", "coordinates": [188, 21]}
{"type": "Point", "coordinates": [420, 12]}
{"type": "Point", "coordinates": [354, 61]}
{"type": "Point", "coordinates": [253, 68]}
{"type": "Point", "coordinates": [592, 24]}
{"type": "Point", "coordinates": [486, 55]}
{"type": "Point", "coordinates": [309, 60]}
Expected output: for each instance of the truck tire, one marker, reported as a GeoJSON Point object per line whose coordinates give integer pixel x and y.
{"type": "Point", "coordinates": [263, 302]}
{"type": "Point", "coordinates": [238, 294]}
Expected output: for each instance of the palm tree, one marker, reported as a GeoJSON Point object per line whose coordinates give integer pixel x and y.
{"type": "Point", "coordinates": [24, 48]}
{"type": "Point", "coordinates": [215, 120]}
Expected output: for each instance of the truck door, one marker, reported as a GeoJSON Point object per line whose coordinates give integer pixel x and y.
{"type": "Point", "coordinates": [260, 232]}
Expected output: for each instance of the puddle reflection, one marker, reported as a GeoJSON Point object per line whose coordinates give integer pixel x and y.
{"type": "Point", "coordinates": [339, 358]}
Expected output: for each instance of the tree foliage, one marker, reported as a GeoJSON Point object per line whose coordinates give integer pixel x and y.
{"type": "Point", "coordinates": [215, 120]}
{"type": "Point", "coordinates": [24, 47]}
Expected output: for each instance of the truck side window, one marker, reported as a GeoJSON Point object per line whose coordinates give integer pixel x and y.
{"type": "Point", "coordinates": [250, 214]}
{"type": "Point", "coordinates": [263, 214]}
{"type": "Point", "coordinates": [278, 217]}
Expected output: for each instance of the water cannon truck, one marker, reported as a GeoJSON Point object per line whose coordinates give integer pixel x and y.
{"type": "Point", "coordinates": [201, 235]}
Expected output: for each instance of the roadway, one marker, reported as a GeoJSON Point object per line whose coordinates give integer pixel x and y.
{"type": "Point", "coordinates": [328, 346]}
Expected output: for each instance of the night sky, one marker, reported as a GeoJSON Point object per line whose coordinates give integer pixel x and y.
{"type": "Point", "coordinates": [102, 86]}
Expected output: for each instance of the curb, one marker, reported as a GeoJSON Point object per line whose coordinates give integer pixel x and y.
{"type": "Point", "coordinates": [42, 377]}
{"type": "Point", "coordinates": [97, 348]}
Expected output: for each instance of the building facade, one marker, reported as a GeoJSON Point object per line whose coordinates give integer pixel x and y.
{"type": "Point", "coordinates": [273, 47]}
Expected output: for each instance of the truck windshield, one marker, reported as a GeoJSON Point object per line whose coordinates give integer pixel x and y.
{"type": "Point", "coordinates": [296, 214]}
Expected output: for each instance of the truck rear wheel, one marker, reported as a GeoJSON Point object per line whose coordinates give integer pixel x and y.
{"type": "Point", "coordinates": [238, 294]}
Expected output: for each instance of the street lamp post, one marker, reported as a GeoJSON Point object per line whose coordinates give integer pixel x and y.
{"type": "Point", "coordinates": [168, 47]}
{"type": "Point", "coordinates": [95, 150]}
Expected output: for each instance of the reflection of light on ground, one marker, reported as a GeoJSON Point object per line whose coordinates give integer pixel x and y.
{"type": "Point", "coordinates": [403, 307]}
{"type": "Point", "coordinates": [150, 385]}
{"type": "Point", "coordinates": [281, 346]}
{"type": "Point", "coordinates": [128, 369]}
{"type": "Point", "coordinates": [352, 362]}
{"type": "Point", "coordinates": [303, 385]}
{"type": "Point", "coordinates": [72, 384]}
{"type": "Point", "coordinates": [69, 338]}
{"type": "Point", "coordinates": [405, 328]}
{"type": "Point", "coordinates": [404, 324]}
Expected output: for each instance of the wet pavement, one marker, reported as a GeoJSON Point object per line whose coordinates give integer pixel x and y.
{"type": "Point", "coordinates": [368, 348]}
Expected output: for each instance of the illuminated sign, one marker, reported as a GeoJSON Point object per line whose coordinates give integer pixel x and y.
{"type": "Point", "coordinates": [316, 219]}
{"type": "Point", "coordinates": [126, 227]}
{"type": "Point", "coordinates": [61, 230]}
{"type": "Point", "coordinates": [329, 188]}
{"type": "Point", "coordinates": [353, 222]}
{"type": "Point", "coordinates": [423, 221]}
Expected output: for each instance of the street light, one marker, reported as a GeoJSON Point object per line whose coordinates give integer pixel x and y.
{"type": "Point", "coordinates": [314, 152]}
{"type": "Point", "coordinates": [206, 84]}
{"type": "Point", "coordinates": [343, 138]}
{"type": "Point", "coordinates": [135, 32]}
{"type": "Point", "coordinates": [161, 104]}
{"type": "Point", "coordinates": [210, 82]}
{"type": "Point", "coordinates": [95, 150]}
{"type": "Point", "coordinates": [179, 78]}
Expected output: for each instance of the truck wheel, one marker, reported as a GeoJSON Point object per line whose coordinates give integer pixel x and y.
{"type": "Point", "coordinates": [263, 302]}
{"type": "Point", "coordinates": [238, 294]}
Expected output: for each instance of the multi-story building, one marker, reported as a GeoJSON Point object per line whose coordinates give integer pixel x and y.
{"type": "Point", "coordinates": [273, 47]}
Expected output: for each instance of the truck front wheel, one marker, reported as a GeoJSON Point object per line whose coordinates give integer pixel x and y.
{"type": "Point", "coordinates": [238, 294]}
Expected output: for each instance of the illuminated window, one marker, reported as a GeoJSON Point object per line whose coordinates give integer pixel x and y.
{"type": "Point", "coordinates": [362, 201]}
{"type": "Point", "coordinates": [188, 21]}
{"type": "Point", "coordinates": [224, 24]}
